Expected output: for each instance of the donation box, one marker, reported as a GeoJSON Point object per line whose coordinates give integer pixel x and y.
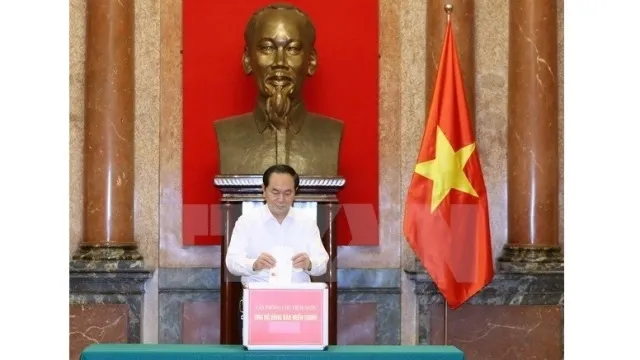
{"type": "Point", "coordinates": [285, 316]}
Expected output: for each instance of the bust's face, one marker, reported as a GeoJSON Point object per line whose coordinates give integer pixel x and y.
{"type": "Point", "coordinates": [280, 53]}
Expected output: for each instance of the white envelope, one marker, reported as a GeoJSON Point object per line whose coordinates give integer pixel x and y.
{"type": "Point", "coordinates": [283, 271]}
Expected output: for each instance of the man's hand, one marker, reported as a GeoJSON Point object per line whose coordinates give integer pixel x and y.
{"type": "Point", "coordinates": [301, 261]}
{"type": "Point", "coordinates": [264, 261]}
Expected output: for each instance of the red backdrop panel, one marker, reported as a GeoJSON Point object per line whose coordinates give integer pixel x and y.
{"type": "Point", "coordinates": [344, 87]}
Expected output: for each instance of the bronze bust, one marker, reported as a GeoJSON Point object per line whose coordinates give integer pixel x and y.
{"type": "Point", "coordinates": [279, 52]}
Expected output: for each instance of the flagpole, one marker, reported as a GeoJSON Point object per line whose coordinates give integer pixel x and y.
{"type": "Point", "coordinates": [448, 8]}
{"type": "Point", "coordinates": [446, 322]}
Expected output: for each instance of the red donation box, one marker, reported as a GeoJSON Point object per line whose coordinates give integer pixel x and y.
{"type": "Point", "coordinates": [285, 316]}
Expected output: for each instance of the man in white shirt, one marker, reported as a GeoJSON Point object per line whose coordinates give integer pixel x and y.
{"type": "Point", "coordinates": [276, 225]}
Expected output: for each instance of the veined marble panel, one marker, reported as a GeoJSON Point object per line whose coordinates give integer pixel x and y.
{"type": "Point", "coordinates": [369, 305]}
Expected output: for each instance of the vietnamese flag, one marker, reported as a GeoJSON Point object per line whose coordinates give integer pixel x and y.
{"type": "Point", "coordinates": [446, 220]}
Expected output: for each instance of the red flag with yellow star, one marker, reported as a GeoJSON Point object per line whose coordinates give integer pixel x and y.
{"type": "Point", "coordinates": [446, 219]}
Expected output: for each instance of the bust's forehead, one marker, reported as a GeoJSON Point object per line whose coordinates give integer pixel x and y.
{"type": "Point", "coordinates": [273, 22]}
{"type": "Point", "coordinates": [281, 14]}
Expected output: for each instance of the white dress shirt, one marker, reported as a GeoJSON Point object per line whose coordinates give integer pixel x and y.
{"type": "Point", "coordinates": [259, 231]}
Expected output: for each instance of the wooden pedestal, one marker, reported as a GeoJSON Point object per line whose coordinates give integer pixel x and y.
{"type": "Point", "coordinates": [240, 191]}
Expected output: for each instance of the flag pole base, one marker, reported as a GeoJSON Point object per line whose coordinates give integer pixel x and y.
{"type": "Point", "coordinates": [531, 259]}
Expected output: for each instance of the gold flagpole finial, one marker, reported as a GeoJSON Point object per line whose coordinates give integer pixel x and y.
{"type": "Point", "coordinates": [448, 8]}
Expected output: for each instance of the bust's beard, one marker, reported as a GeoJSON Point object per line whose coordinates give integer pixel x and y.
{"type": "Point", "coordinates": [279, 102]}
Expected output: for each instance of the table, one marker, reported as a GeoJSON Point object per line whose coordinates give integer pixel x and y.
{"type": "Point", "coordinates": [232, 352]}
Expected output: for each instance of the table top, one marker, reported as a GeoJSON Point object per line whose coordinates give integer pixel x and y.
{"type": "Point", "coordinates": [183, 351]}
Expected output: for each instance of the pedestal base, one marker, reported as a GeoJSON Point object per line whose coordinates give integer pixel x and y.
{"type": "Point", "coordinates": [531, 259]}
{"type": "Point", "coordinates": [105, 292]}
{"type": "Point", "coordinates": [524, 310]}
{"type": "Point", "coordinates": [111, 258]}
{"type": "Point", "coordinates": [113, 277]}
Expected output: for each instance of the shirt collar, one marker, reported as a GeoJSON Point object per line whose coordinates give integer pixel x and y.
{"type": "Point", "coordinates": [296, 117]}
{"type": "Point", "coordinates": [267, 215]}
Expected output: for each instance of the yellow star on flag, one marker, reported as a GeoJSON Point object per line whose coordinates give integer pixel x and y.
{"type": "Point", "coordinates": [447, 169]}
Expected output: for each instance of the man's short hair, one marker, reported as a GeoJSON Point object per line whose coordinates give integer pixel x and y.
{"type": "Point", "coordinates": [280, 169]}
{"type": "Point", "coordinates": [251, 25]}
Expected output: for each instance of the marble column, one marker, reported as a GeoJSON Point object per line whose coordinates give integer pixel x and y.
{"type": "Point", "coordinates": [533, 166]}
{"type": "Point", "coordinates": [109, 132]}
{"type": "Point", "coordinates": [107, 275]}
{"type": "Point", "coordinates": [463, 22]}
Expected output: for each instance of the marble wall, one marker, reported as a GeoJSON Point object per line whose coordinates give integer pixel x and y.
{"type": "Point", "coordinates": [184, 284]}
